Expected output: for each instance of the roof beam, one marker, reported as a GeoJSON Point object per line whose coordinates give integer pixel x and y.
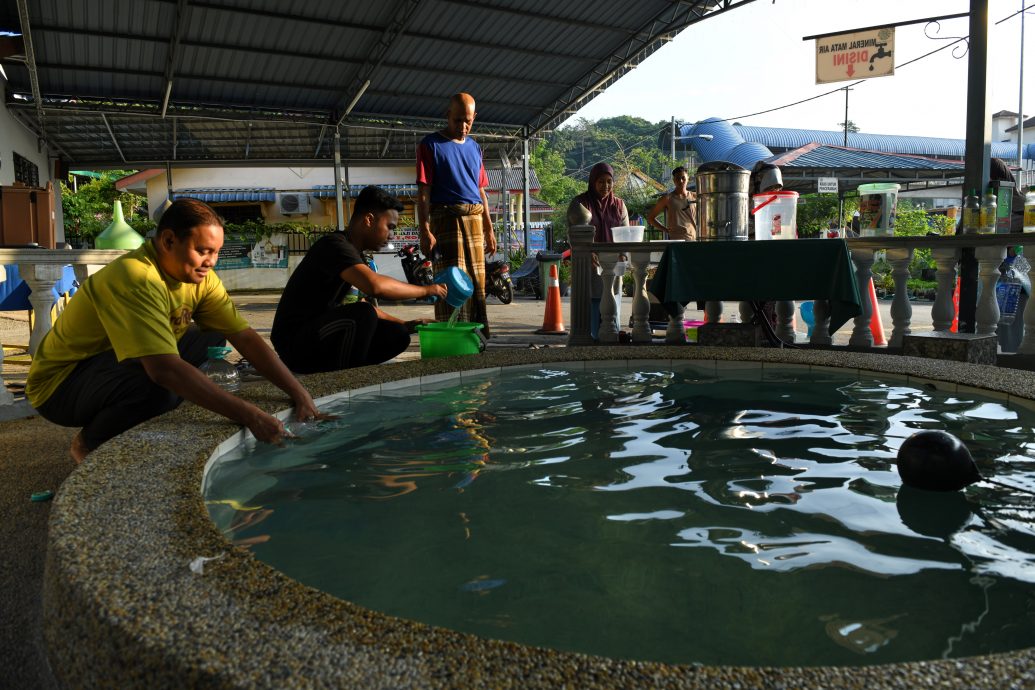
{"type": "Point", "coordinates": [30, 64]}
{"type": "Point", "coordinates": [174, 44]}
{"type": "Point", "coordinates": [302, 55]}
{"type": "Point", "coordinates": [402, 17]}
{"type": "Point", "coordinates": [567, 21]}
{"type": "Point", "coordinates": [113, 139]}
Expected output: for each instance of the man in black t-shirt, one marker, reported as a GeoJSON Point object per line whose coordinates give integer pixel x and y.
{"type": "Point", "coordinates": [315, 329]}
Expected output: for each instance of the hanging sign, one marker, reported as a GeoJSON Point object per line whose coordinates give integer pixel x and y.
{"type": "Point", "coordinates": [858, 55]}
{"type": "Point", "coordinates": [826, 185]}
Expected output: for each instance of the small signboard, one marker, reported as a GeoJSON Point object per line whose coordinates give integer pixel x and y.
{"type": "Point", "coordinates": [826, 185]}
{"type": "Point", "coordinates": [857, 55]}
{"type": "Point", "coordinates": [270, 252]}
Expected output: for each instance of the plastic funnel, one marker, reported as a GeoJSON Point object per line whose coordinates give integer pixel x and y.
{"type": "Point", "coordinates": [458, 283]}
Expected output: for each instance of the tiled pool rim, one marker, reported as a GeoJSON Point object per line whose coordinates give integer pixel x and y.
{"type": "Point", "coordinates": [122, 607]}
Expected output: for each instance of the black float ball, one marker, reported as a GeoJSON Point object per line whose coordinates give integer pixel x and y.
{"type": "Point", "coordinates": [936, 461]}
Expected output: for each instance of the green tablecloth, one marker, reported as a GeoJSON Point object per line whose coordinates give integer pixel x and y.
{"type": "Point", "coordinates": [765, 270]}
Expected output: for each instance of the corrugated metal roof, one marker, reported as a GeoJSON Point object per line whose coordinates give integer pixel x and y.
{"type": "Point", "coordinates": [840, 158]}
{"type": "Point", "coordinates": [267, 81]}
{"type": "Point", "coordinates": [783, 138]}
{"type": "Point", "coordinates": [513, 179]}
{"type": "Point", "coordinates": [223, 194]}
{"type": "Point", "coordinates": [326, 191]}
{"type": "Point", "coordinates": [802, 167]}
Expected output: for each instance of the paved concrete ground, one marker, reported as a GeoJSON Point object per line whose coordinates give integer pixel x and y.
{"type": "Point", "coordinates": [34, 457]}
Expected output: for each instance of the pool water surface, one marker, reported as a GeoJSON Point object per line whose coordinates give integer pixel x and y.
{"type": "Point", "coordinates": [667, 514]}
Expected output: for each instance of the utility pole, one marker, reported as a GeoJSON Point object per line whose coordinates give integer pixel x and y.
{"type": "Point", "coordinates": [846, 116]}
{"type": "Point", "coordinates": [673, 137]}
{"type": "Point", "coordinates": [978, 151]}
{"type": "Point", "coordinates": [1020, 108]}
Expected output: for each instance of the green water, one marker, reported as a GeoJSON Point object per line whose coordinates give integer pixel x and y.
{"type": "Point", "coordinates": [452, 319]}
{"type": "Point", "coordinates": [656, 515]}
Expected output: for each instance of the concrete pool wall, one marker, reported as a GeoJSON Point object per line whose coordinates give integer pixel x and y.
{"type": "Point", "coordinates": [123, 607]}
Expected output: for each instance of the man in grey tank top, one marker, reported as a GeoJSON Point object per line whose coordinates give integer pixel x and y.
{"type": "Point", "coordinates": [680, 208]}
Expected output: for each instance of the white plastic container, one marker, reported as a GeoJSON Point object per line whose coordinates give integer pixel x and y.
{"type": "Point", "coordinates": [776, 215]}
{"type": "Point", "coordinates": [627, 233]}
{"type": "Point", "coordinates": [877, 203]}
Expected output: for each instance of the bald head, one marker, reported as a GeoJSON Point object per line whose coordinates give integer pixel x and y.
{"type": "Point", "coordinates": [460, 116]}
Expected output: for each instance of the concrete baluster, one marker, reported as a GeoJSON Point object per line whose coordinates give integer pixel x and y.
{"type": "Point", "coordinates": [943, 311]}
{"type": "Point", "coordinates": [746, 312]}
{"type": "Point", "coordinates": [675, 334]}
{"type": "Point", "coordinates": [641, 331]}
{"type": "Point", "coordinates": [901, 310]}
{"type": "Point", "coordinates": [987, 314]}
{"type": "Point", "coordinates": [608, 303]}
{"type": "Point", "coordinates": [861, 334]}
{"type": "Point", "coordinates": [581, 238]}
{"type": "Point", "coordinates": [712, 312]}
{"type": "Point", "coordinates": [41, 279]}
{"type": "Point", "coordinates": [821, 322]}
{"type": "Point", "coordinates": [1027, 346]}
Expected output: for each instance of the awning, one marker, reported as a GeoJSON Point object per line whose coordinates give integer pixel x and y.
{"type": "Point", "coordinates": [326, 191]}
{"type": "Point", "coordinates": [225, 194]}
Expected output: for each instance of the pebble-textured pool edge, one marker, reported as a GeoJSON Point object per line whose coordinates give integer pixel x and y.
{"type": "Point", "coordinates": [123, 608]}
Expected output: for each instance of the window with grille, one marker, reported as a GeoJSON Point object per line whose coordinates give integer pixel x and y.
{"type": "Point", "coordinates": [26, 172]}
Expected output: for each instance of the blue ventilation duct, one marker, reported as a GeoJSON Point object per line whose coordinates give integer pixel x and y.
{"type": "Point", "coordinates": [726, 144]}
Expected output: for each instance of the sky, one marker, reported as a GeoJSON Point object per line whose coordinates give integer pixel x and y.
{"type": "Point", "coordinates": [753, 58]}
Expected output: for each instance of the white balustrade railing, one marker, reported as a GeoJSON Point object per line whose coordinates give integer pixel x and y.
{"type": "Point", "coordinates": [990, 250]}
{"type": "Point", "coordinates": [41, 269]}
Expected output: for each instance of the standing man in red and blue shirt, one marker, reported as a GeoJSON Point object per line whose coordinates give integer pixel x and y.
{"type": "Point", "coordinates": [455, 227]}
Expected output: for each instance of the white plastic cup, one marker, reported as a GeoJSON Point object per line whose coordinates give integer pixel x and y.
{"type": "Point", "coordinates": [776, 215]}
{"type": "Point", "coordinates": [877, 203]}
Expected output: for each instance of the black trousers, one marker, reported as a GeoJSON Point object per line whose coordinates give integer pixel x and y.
{"type": "Point", "coordinates": [349, 335]}
{"type": "Point", "coordinates": [107, 397]}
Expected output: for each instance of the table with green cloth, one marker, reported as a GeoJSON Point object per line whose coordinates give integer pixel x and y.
{"type": "Point", "coordinates": [759, 271]}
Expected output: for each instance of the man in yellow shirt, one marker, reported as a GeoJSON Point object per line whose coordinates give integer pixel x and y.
{"type": "Point", "coordinates": [124, 351]}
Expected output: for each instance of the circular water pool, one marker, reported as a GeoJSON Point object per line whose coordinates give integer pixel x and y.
{"type": "Point", "coordinates": [669, 512]}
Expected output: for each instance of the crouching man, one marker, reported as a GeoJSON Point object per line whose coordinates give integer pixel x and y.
{"type": "Point", "coordinates": [124, 350]}
{"type": "Point", "coordinates": [316, 329]}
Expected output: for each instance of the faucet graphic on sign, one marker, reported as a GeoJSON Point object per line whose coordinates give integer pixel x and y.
{"type": "Point", "coordinates": [880, 53]}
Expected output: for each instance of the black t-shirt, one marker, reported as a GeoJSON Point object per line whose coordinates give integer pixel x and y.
{"type": "Point", "coordinates": [316, 285]}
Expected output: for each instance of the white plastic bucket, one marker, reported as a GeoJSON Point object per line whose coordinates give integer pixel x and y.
{"type": "Point", "coordinates": [877, 209]}
{"type": "Point", "coordinates": [627, 233]}
{"type": "Point", "coordinates": [776, 215]}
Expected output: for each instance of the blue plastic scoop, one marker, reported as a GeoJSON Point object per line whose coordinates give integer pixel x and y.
{"type": "Point", "coordinates": [458, 283]}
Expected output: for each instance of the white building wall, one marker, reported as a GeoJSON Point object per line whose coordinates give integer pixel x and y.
{"type": "Point", "coordinates": [17, 138]}
{"type": "Point", "coordinates": [321, 211]}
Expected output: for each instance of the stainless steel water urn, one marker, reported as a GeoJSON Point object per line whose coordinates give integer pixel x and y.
{"type": "Point", "coordinates": [722, 201]}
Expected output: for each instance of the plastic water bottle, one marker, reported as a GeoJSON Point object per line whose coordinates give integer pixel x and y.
{"type": "Point", "coordinates": [972, 213]}
{"type": "Point", "coordinates": [221, 372]}
{"type": "Point", "coordinates": [988, 212]}
{"type": "Point", "coordinates": [1008, 291]}
{"type": "Point", "coordinates": [1029, 210]}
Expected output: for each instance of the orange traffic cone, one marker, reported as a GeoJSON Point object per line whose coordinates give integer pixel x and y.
{"type": "Point", "coordinates": [876, 326]}
{"type": "Point", "coordinates": [553, 323]}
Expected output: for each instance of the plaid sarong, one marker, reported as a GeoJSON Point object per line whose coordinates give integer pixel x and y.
{"type": "Point", "coordinates": [459, 240]}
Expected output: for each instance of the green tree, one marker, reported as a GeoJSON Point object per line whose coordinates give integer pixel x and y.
{"type": "Point", "coordinates": [852, 127]}
{"type": "Point", "coordinates": [89, 208]}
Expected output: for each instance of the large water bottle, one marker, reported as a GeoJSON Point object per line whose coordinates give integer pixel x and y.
{"type": "Point", "coordinates": [221, 372]}
{"type": "Point", "coordinates": [1029, 210]}
{"type": "Point", "coordinates": [1008, 289]}
{"type": "Point", "coordinates": [972, 213]}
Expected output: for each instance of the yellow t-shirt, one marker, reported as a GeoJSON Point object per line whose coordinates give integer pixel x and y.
{"type": "Point", "coordinates": [131, 307]}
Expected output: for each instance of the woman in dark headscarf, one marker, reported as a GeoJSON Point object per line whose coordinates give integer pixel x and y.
{"type": "Point", "coordinates": [606, 210]}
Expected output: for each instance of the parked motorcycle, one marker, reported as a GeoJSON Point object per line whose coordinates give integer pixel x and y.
{"type": "Point", "coordinates": [416, 268]}
{"type": "Point", "coordinates": [497, 280]}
